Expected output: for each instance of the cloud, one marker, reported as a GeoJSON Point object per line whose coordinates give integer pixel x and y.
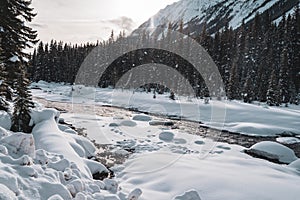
{"type": "Point", "coordinates": [123, 23]}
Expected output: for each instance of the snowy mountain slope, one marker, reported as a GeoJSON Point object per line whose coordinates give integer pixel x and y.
{"type": "Point", "coordinates": [216, 13]}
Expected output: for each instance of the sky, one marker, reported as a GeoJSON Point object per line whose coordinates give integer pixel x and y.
{"type": "Point", "coordinates": [78, 21]}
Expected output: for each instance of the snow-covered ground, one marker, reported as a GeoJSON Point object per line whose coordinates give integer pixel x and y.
{"type": "Point", "coordinates": [171, 164]}
{"type": "Point", "coordinates": [235, 116]}
{"type": "Point", "coordinates": [164, 163]}
{"type": "Point", "coordinates": [51, 163]}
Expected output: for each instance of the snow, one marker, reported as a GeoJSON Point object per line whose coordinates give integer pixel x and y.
{"type": "Point", "coordinates": [5, 120]}
{"type": "Point", "coordinates": [51, 164]}
{"type": "Point", "coordinates": [135, 194]}
{"type": "Point", "coordinates": [166, 163]}
{"type": "Point", "coordinates": [142, 118]}
{"type": "Point", "coordinates": [207, 11]}
{"type": "Point", "coordinates": [274, 150]}
{"type": "Point", "coordinates": [184, 166]}
{"type": "Point", "coordinates": [19, 144]}
{"type": "Point", "coordinates": [295, 164]}
{"type": "Point", "coordinates": [234, 116]}
{"type": "Point", "coordinates": [47, 136]}
{"type": "Point", "coordinates": [218, 176]}
{"type": "Point", "coordinates": [189, 195]}
{"type": "Point", "coordinates": [166, 136]}
{"type": "Point", "coordinates": [6, 193]}
{"type": "Point", "coordinates": [288, 140]}
{"type": "Point", "coordinates": [14, 59]}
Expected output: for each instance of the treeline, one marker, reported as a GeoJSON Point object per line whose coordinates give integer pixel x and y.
{"type": "Point", "coordinates": [259, 61]}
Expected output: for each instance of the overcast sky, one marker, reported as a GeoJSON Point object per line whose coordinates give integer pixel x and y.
{"type": "Point", "coordinates": [80, 21]}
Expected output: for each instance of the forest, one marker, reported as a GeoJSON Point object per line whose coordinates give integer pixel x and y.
{"type": "Point", "coordinates": [259, 61]}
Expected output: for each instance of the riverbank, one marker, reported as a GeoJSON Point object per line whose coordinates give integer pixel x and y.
{"type": "Point", "coordinates": [186, 125]}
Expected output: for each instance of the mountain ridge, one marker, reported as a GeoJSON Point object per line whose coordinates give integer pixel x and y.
{"type": "Point", "coordinates": [215, 14]}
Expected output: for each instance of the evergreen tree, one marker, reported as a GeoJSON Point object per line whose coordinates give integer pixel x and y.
{"type": "Point", "coordinates": [22, 105]}
{"type": "Point", "coordinates": [15, 37]}
{"type": "Point", "coordinates": [284, 78]}
{"type": "Point", "coordinates": [233, 87]}
{"type": "Point", "coordinates": [248, 89]}
{"type": "Point", "coordinates": [272, 93]}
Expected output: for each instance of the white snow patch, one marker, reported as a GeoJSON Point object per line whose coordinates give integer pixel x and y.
{"type": "Point", "coordinates": [14, 59]}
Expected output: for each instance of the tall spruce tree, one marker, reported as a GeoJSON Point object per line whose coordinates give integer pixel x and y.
{"type": "Point", "coordinates": [284, 78]}
{"type": "Point", "coordinates": [233, 87]}
{"type": "Point", "coordinates": [272, 93]}
{"type": "Point", "coordinates": [16, 36]}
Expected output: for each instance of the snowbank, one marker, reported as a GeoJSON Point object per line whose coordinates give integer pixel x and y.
{"type": "Point", "coordinates": [273, 151]}
{"type": "Point", "coordinates": [52, 164]}
{"type": "Point", "coordinates": [50, 138]}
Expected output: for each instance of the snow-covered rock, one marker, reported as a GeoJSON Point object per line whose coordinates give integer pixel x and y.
{"type": "Point", "coordinates": [60, 165]}
{"type": "Point", "coordinates": [146, 118]}
{"type": "Point", "coordinates": [55, 197]}
{"type": "Point", "coordinates": [288, 140]}
{"type": "Point", "coordinates": [63, 127]}
{"type": "Point", "coordinates": [189, 195]}
{"type": "Point", "coordinates": [161, 123]}
{"type": "Point", "coordinates": [111, 185]}
{"type": "Point", "coordinates": [113, 124]}
{"type": "Point", "coordinates": [166, 136]}
{"type": "Point", "coordinates": [95, 167]}
{"type": "Point", "coordinates": [134, 194]}
{"type": "Point", "coordinates": [295, 164]}
{"type": "Point", "coordinates": [128, 123]}
{"type": "Point", "coordinates": [86, 144]}
{"type": "Point", "coordinates": [19, 144]}
{"type": "Point", "coordinates": [38, 116]}
{"type": "Point", "coordinates": [273, 151]}
{"type": "Point", "coordinates": [49, 137]}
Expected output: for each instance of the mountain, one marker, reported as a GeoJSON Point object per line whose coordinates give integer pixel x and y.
{"type": "Point", "coordinates": [216, 13]}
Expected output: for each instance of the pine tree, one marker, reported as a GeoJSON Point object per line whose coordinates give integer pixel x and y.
{"type": "Point", "coordinates": [22, 105]}
{"type": "Point", "coordinates": [15, 37]}
{"type": "Point", "coordinates": [284, 78]}
{"type": "Point", "coordinates": [233, 85]}
{"type": "Point", "coordinates": [3, 88]}
{"type": "Point", "coordinates": [272, 93]}
{"type": "Point", "coordinates": [248, 88]}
